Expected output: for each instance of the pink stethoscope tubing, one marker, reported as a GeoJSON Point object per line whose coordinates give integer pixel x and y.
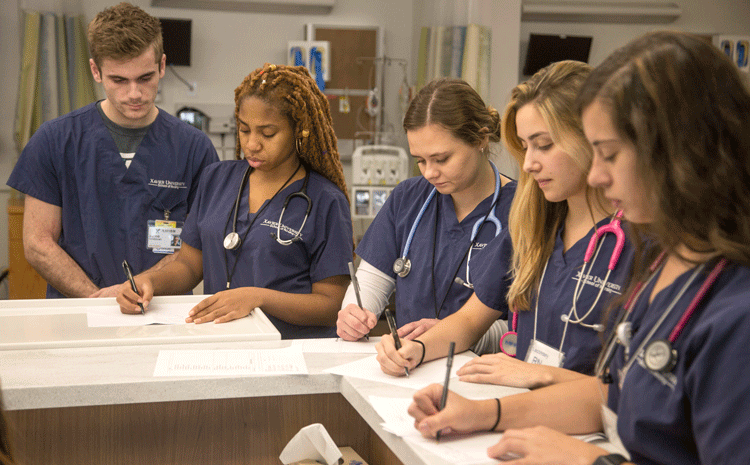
{"type": "Point", "coordinates": [681, 323]}
{"type": "Point", "coordinates": [613, 227]}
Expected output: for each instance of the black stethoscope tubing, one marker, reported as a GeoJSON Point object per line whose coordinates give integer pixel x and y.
{"type": "Point", "coordinates": [235, 213]}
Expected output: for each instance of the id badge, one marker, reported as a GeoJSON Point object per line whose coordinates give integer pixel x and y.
{"type": "Point", "coordinates": [540, 353]}
{"type": "Point", "coordinates": [609, 422]}
{"type": "Point", "coordinates": [164, 236]}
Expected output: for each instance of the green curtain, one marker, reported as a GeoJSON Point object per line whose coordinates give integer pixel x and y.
{"type": "Point", "coordinates": [54, 77]}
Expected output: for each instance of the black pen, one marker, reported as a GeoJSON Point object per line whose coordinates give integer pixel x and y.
{"type": "Point", "coordinates": [444, 397]}
{"type": "Point", "coordinates": [129, 274]}
{"type": "Point", "coordinates": [355, 285]}
{"type": "Point", "coordinates": [394, 332]}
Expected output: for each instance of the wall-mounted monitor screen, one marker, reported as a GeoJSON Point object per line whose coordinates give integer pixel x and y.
{"type": "Point", "coordinates": [176, 34]}
{"type": "Point", "coordinates": [545, 49]}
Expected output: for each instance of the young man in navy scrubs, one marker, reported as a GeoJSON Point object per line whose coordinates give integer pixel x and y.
{"type": "Point", "coordinates": [113, 180]}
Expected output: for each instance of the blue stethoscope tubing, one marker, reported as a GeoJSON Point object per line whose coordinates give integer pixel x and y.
{"type": "Point", "coordinates": [509, 339]}
{"type": "Point", "coordinates": [402, 265]}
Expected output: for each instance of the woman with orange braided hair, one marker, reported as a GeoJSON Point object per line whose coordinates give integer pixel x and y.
{"type": "Point", "coordinates": [251, 235]}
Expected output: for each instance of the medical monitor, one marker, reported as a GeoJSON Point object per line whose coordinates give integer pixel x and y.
{"type": "Point", "coordinates": [176, 34]}
{"type": "Point", "coordinates": [545, 49]}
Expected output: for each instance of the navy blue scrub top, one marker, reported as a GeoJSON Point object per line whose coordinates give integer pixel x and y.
{"type": "Point", "coordinates": [72, 162]}
{"type": "Point", "coordinates": [384, 242]}
{"type": "Point", "coordinates": [325, 248]}
{"type": "Point", "coordinates": [582, 345]}
{"type": "Point", "coordinates": [697, 413]}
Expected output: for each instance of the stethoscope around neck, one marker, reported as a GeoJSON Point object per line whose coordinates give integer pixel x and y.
{"type": "Point", "coordinates": [232, 241]}
{"type": "Point", "coordinates": [402, 265]}
{"type": "Point", "coordinates": [658, 354]}
{"type": "Point", "coordinates": [509, 340]}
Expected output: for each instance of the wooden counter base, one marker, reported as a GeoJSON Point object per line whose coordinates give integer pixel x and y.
{"type": "Point", "coordinates": [197, 432]}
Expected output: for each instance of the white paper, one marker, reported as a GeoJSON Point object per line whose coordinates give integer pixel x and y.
{"type": "Point", "coordinates": [459, 449]}
{"type": "Point", "coordinates": [230, 362]}
{"type": "Point", "coordinates": [426, 374]}
{"type": "Point", "coordinates": [156, 313]}
{"type": "Point", "coordinates": [394, 412]}
{"type": "Point", "coordinates": [336, 346]}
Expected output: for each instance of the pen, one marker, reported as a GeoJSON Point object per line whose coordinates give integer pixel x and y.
{"type": "Point", "coordinates": [355, 285]}
{"type": "Point", "coordinates": [394, 333]}
{"type": "Point", "coordinates": [448, 366]}
{"type": "Point", "coordinates": [129, 274]}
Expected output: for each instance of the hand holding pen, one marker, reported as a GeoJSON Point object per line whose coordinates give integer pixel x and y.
{"type": "Point", "coordinates": [354, 321]}
{"type": "Point", "coordinates": [129, 275]}
{"type": "Point", "coordinates": [355, 285]}
{"type": "Point", "coordinates": [394, 333]}
{"type": "Point", "coordinates": [444, 396]}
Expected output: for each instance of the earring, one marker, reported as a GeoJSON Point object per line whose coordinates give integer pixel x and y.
{"type": "Point", "coordinates": [298, 143]}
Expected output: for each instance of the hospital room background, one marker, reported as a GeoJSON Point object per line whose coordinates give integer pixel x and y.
{"type": "Point", "coordinates": [367, 91]}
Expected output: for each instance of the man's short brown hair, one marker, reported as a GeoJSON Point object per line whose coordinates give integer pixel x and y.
{"type": "Point", "coordinates": [123, 32]}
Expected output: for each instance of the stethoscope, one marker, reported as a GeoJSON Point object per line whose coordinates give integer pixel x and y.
{"type": "Point", "coordinates": [658, 354]}
{"type": "Point", "coordinates": [509, 340]}
{"type": "Point", "coordinates": [232, 241]}
{"type": "Point", "coordinates": [402, 265]}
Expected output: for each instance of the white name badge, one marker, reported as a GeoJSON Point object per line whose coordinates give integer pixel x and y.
{"type": "Point", "coordinates": [609, 421]}
{"type": "Point", "coordinates": [164, 236]}
{"type": "Point", "coordinates": [540, 353]}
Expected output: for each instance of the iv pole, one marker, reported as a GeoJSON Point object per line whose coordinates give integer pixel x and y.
{"type": "Point", "coordinates": [383, 61]}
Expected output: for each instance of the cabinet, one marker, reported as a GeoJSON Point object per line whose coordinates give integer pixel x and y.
{"type": "Point", "coordinates": [23, 281]}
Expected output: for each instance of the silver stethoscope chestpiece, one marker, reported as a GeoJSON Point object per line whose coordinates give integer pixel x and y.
{"type": "Point", "coordinates": [232, 241]}
{"type": "Point", "coordinates": [659, 356]}
{"type": "Point", "coordinates": [402, 266]}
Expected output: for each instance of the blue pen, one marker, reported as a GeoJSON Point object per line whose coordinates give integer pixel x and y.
{"type": "Point", "coordinates": [129, 274]}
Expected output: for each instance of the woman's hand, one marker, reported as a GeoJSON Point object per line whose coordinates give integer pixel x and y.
{"type": "Point", "coordinates": [416, 328]}
{"type": "Point", "coordinates": [127, 297]}
{"type": "Point", "coordinates": [460, 415]}
{"type": "Point", "coordinates": [394, 361]}
{"type": "Point", "coordinates": [543, 446]}
{"type": "Point", "coordinates": [224, 306]}
{"type": "Point", "coordinates": [505, 371]}
{"type": "Point", "coordinates": [354, 323]}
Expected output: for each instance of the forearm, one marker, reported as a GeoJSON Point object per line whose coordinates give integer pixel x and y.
{"type": "Point", "coordinates": [166, 260]}
{"type": "Point", "coordinates": [173, 278]}
{"type": "Point", "coordinates": [375, 289]}
{"type": "Point", "coordinates": [299, 309]}
{"type": "Point", "coordinates": [465, 328]}
{"type": "Point", "coordinates": [573, 407]}
{"type": "Point", "coordinates": [58, 268]}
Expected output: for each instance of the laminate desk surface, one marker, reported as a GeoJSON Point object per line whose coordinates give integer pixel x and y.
{"type": "Point", "coordinates": [101, 376]}
{"type": "Point", "coordinates": [58, 323]}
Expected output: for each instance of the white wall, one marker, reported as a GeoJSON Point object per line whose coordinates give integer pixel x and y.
{"type": "Point", "coordinates": [698, 16]}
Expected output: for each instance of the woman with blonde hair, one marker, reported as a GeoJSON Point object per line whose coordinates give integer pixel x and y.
{"type": "Point", "coordinates": [537, 269]}
{"type": "Point", "coordinates": [273, 228]}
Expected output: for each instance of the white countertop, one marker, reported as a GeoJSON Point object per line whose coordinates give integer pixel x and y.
{"type": "Point", "coordinates": [76, 377]}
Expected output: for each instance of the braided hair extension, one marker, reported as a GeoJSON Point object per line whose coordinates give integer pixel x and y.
{"type": "Point", "coordinates": [294, 92]}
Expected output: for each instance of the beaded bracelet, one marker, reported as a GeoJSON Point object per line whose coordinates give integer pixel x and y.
{"type": "Point", "coordinates": [497, 422]}
{"type": "Point", "coordinates": [423, 351]}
